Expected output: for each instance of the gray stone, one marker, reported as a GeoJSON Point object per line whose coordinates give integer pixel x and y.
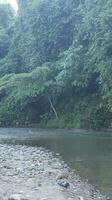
{"type": "Point", "coordinates": [63, 183]}
{"type": "Point", "coordinates": [107, 198]}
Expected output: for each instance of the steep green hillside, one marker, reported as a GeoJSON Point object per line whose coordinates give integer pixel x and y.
{"type": "Point", "coordinates": [56, 64]}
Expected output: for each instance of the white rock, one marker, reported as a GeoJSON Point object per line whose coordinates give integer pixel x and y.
{"type": "Point", "coordinates": [17, 197]}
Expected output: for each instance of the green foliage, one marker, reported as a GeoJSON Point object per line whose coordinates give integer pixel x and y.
{"type": "Point", "coordinates": [56, 63]}
{"type": "Point", "coordinates": [6, 19]}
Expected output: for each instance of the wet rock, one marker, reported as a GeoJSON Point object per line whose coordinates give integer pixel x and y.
{"type": "Point", "coordinates": [63, 183]}
{"type": "Point", "coordinates": [107, 198]}
{"type": "Point", "coordinates": [95, 193]}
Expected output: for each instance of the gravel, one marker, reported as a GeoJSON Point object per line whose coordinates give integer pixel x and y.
{"type": "Point", "coordinates": [32, 173]}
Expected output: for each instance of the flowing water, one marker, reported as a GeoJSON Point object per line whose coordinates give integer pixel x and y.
{"type": "Point", "coordinates": [88, 152]}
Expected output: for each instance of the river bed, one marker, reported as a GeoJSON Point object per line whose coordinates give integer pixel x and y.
{"type": "Point", "coordinates": [33, 173]}
{"type": "Point", "coordinates": [88, 153]}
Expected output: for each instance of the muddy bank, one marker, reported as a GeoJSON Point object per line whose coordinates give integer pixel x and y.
{"type": "Point", "coordinates": [31, 173]}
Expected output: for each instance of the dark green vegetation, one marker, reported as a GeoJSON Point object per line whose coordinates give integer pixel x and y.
{"type": "Point", "coordinates": [56, 63]}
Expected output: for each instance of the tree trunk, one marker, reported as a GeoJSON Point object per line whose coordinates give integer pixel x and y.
{"type": "Point", "coordinates": [53, 108]}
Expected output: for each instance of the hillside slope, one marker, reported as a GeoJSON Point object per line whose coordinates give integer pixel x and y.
{"type": "Point", "coordinates": [56, 64]}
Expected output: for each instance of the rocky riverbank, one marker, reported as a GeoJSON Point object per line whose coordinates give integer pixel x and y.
{"type": "Point", "coordinates": [31, 173]}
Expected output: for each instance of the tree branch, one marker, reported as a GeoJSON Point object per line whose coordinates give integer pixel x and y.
{"type": "Point", "coordinates": [53, 108]}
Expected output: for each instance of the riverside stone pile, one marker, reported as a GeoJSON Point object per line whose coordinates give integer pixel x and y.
{"type": "Point", "coordinates": [31, 173]}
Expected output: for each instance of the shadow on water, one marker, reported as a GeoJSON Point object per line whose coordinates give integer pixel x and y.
{"type": "Point", "coordinates": [90, 154]}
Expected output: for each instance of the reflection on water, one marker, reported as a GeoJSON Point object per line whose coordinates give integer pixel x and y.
{"type": "Point", "coordinates": [87, 152]}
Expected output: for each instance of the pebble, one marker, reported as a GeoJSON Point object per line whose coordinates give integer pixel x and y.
{"type": "Point", "coordinates": [81, 198]}
{"type": "Point", "coordinates": [57, 154]}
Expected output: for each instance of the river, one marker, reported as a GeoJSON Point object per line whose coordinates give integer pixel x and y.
{"type": "Point", "coordinates": [88, 153]}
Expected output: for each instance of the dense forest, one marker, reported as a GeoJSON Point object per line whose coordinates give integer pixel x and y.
{"type": "Point", "coordinates": [56, 64]}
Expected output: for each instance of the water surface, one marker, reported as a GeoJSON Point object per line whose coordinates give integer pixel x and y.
{"type": "Point", "coordinates": [89, 153]}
